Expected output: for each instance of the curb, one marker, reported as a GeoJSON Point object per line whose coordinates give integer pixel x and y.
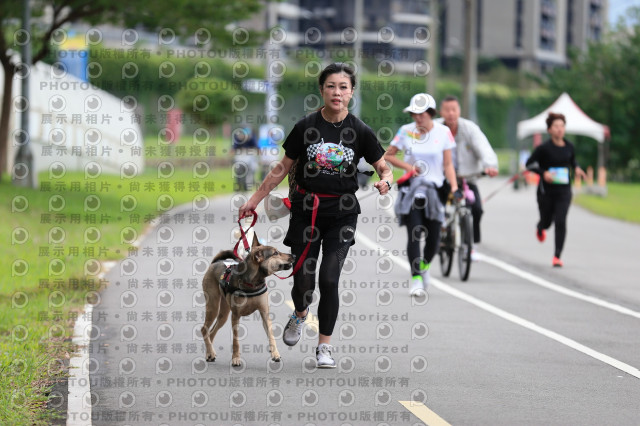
{"type": "Point", "coordinates": [79, 398]}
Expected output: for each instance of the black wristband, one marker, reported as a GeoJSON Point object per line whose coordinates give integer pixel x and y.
{"type": "Point", "coordinates": [388, 184]}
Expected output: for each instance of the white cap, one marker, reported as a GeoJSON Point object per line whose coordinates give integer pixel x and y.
{"type": "Point", "coordinates": [420, 103]}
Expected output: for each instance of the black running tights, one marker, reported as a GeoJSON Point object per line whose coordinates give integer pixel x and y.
{"type": "Point", "coordinates": [553, 207]}
{"type": "Point", "coordinates": [418, 224]}
{"type": "Point", "coordinates": [335, 238]}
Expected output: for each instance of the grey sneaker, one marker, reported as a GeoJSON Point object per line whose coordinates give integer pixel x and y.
{"type": "Point", "coordinates": [323, 356]}
{"type": "Point", "coordinates": [293, 329]}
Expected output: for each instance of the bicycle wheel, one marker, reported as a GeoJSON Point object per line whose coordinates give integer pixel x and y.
{"type": "Point", "coordinates": [466, 245]}
{"type": "Point", "coordinates": [446, 252]}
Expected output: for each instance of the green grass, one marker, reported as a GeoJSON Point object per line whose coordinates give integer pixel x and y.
{"type": "Point", "coordinates": [506, 161]}
{"type": "Point", "coordinates": [186, 148]}
{"type": "Point", "coordinates": [622, 202]}
{"type": "Point", "coordinates": [43, 284]}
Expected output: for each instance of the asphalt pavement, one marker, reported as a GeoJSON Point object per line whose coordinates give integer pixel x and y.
{"type": "Point", "coordinates": [519, 343]}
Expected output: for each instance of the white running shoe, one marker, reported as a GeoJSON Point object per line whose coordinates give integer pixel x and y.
{"type": "Point", "coordinates": [323, 356]}
{"type": "Point", "coordinates": [417, 286]}
{"type": "Point", "coordinates": [293, 329]}
{"type": "Point", "coordinates": [425, 279]}
{"type": "Point", "coordinates": [475, 256]}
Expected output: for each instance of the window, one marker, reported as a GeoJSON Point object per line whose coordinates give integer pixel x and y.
{"type": "Point", "coordinates": [518, 26]}
{"type": "Point", "coordinates": [548, 25]}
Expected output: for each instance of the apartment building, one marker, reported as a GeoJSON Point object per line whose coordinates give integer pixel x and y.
{"type": "Point", "coordinates": [530, 35]}
{"type": "Point", "coordinates": [395, 30]}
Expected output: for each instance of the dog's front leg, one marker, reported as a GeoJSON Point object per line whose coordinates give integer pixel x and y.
{"type": "Point", "coordinates": [266, 323]}
{"type": "Point", "coordinates": [236, 361]}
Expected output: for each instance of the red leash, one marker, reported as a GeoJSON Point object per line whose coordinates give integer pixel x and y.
{"type": "Point", "coordinates": [303, 256]}
{"type": "Point", "coordinates": [243, 235]}
{"type": "Point", "coordinates": [511, 179]}
{"type": "Point", "coordinates": [314, 215]}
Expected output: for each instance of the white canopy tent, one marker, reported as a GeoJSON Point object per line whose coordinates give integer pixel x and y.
{"type": "Point", "coordinates": [578, 123]}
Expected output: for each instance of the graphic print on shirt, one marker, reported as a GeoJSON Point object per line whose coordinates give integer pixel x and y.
{"type": "Point", "coordinates": [328, 157]}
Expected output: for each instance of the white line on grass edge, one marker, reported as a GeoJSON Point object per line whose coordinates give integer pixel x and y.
{"type": "Point", "coordinates": [78, 384]}
{"type": "Point", "coordinates": [79, 413]}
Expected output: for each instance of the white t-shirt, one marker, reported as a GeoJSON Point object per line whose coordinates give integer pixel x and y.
{"type": "Point", "coordinates": [425, 151]}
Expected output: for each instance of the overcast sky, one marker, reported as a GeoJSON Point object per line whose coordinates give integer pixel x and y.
{"type": "Point", "coordinates": [617, 8]}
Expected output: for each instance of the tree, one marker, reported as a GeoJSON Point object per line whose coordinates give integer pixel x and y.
{"type": "Point", "coordinates": [603, 80]}
{"type": "Point", "coordinates": [209, 18]}
{"type": "Point", "coordinates": [210, 99]}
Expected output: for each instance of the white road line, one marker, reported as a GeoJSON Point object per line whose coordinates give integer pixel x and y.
{"type": "Point", "coordinates": [513, 318]}
{"type": "Point", "coordinates": [557, 288]}
{"type": "Point", "coordinates": [554, 287]}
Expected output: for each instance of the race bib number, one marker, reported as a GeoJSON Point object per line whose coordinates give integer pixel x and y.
{"type": "Point", "coordinates": [560, 175]}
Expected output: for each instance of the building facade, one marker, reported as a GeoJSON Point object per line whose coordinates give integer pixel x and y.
{"type": "Point", "coordinates": [393, 30]}
{"type": "Point", "coordinates": [530, 35]}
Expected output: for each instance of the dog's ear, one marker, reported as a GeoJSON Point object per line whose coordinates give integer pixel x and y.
{"type": "Point", "coordinates": [255, 242]}
{"type": "Point", "coordinates": [258, 256]}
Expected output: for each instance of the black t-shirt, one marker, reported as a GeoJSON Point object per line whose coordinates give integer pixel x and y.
{"type": "Point", "coordinates": [329, 157]}
{"type": "Point", "coordinates": [560, 160]}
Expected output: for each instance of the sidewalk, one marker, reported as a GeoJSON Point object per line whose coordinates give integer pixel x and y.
{"type": "Point", "coordinates": [600, 254]}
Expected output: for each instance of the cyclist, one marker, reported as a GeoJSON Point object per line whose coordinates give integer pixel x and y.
{"type": "Point", "coordinates": [473, 155]}
{"type": "Point", "coordinates": [427, 147]}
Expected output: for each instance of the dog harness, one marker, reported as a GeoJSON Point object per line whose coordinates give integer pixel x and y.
{"type": "Point", "coordinates": [228, 288]}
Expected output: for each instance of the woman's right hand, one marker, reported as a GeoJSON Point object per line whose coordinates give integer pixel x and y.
{"type": "Point", "coordinates": [413, 168]}
{"type": "Point", "coordinates": [247, 207]}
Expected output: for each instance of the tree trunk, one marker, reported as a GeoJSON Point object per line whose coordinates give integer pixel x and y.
{"type": "Point", "coordinates": [5, 116]}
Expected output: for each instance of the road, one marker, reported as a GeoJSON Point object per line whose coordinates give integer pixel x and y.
{"type": "Point", "coordinates": [519, 343]}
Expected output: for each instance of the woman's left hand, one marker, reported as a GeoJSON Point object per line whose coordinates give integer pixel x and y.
{"type": "Point", "coordinates": [580, 173]}
{"type": "Point", "coordinates": [382, 186]}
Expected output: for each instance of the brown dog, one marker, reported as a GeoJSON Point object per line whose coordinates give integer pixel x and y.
{"type": "Point", "coordinates": [241, 290]}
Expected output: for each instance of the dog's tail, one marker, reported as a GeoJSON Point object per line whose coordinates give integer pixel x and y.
{"type": "Point", "coordinates": [225, 254]}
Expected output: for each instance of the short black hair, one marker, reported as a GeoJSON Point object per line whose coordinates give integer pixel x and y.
{"type": "Point", "coordinates": [553, 117]}
{"type": "Point", "coordinates": [337, 68]}
{"type": "Point", "coordinates": [449, 98]}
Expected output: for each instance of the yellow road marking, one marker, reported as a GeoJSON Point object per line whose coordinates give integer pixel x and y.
{"type": "Point", "coordinates": [312, 320]}
{"type": "Point", "coordinates": [422, 412]}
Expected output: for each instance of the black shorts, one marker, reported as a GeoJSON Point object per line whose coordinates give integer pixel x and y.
{"type": "Point", "coordinates": [341, 228]}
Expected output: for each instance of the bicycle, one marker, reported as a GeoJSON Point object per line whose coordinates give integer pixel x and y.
{"type": "Point", "coordinates": [457, 236]}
